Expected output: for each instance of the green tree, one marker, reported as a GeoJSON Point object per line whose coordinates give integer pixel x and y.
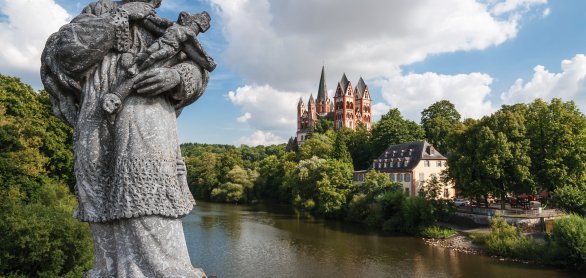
{"type": "Point", "coordinates": [321, 185]}
{"type": "Point", "coordinates": [323, 125]}
{"type": "Point", "coordinates": [509, 162]}
{"type": "Point", "coordinates": [359, 146]}
{"type": "Point", "coordinates": [363, 206]}
{"type": "Point", "coordinates": [437, 121]}
{"type": "Point", "coordinates": [202, 174]}
{"type": "Point", "coordinates": [237, 188]}
{"type": "Point", "coordinates": [320, 145]}
{"type": "Point", "coordinates": [393, 129]}
{"type": "Point", "coordinates": [340, 148]}
{"type": "Point", "coordinates": [557, 134]}
{"type": "Point", "coordinates": [490, 156]}
{"type": "Point", "coordinates": [38, 236]}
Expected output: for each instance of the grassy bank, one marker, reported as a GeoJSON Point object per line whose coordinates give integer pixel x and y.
{"type": "Point", "coordinates": [564, 247]}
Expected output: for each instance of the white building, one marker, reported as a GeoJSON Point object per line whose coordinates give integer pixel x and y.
{"type": "Point", "coordinates": [412, 165]}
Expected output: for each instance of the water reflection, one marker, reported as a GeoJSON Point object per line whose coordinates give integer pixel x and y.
{"type": "Point", "coordinates": [271, 241]}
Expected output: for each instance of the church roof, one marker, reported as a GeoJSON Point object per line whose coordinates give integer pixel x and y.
{"type": "Point", "coordinates": [322, 92]}
{"type": "Point", "coordinates": [344, 83]}
{"type": "Point", "coordinates": [360, 87]}
{"type": "Point", "coordinates": [311, 100]}
{"type": "Point", "coordinates": [405, 157]}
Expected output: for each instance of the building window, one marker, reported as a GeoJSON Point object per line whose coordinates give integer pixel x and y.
{"type": "Point", "coordinates": [400, 177]}
{"type": "Point", "coordinates": [407, 177]}
{"type": "Point", "coordinates": [446, 193]}
{"type": "Point", "coordinates": [438, 163]}
{"type": "Point", "coordinates": [426, 163]}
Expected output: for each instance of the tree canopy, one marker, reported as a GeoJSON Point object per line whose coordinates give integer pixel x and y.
{"type": "Point", "coordinates": [437, 121]}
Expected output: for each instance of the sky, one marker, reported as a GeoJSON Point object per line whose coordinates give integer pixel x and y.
{"type": "Point", "coordinates": [478, 54]}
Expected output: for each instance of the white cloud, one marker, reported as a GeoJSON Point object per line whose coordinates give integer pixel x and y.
{"type": "Point", "coordinates": [244, 118]}
{"type": "Point", "coordinates": [267, 108]}
{"type": "Point", "coordinates": [546, 12]}
{"type": "Point", "coordinates": [379, 109]}
{"type": "Point", "coordinates": [412, 93]}
{"type": "Point", "coordinates": [283, 43]}
{"type": "Point", "coordinates": [509, 6]}
{"type": "Point", "coordinates": [260, 138]}
{"type": "Point", "coordinates": [23, 36]}
{"type": "Point", "coordinates": [569, 84]}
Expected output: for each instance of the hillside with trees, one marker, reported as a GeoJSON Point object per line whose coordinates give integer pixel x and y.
{"type": "Point", "coordinates": [39, 237]}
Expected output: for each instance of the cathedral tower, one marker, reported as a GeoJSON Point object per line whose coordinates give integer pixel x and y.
{"type": "Point", "coordinates": [363, 104]}
{"type": "Point", "coordinates": [344, 105]}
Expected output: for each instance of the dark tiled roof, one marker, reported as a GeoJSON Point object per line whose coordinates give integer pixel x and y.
{"type": "Point", "coordinates": [326, 116]}
{"type": "Point", "coordinates": [344, 83]}
{"type": "Point", "coordinates": [405, 157]}
{"type": "Point", "coordinates": [322, 92]}
{"type": "Point", "coordinates": [360, 87]}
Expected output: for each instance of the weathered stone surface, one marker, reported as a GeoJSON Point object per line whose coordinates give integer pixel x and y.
{"type": "Point", "coordinates": [120, 75]}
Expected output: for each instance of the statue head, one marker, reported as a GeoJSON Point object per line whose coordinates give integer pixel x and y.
{"type": "Point", "coordinates": [200, 20]}
{"type": "Point", "coordinates": [155, 3]}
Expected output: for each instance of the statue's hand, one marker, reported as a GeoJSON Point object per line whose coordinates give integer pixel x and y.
{"type": "Point", "coordinates": [156, 81]}
{"type": "Point", "coordinates": [138, 10]}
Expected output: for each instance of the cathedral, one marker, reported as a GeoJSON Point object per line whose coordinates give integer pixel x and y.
{"type": "Point", "coordinates": [350, 108]}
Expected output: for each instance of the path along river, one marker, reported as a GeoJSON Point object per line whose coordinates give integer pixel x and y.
{"type": "Point", "coordinates": [239, 241]}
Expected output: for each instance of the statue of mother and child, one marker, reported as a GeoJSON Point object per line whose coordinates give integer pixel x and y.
{"type": "Point", "coordinates": [120, 75]}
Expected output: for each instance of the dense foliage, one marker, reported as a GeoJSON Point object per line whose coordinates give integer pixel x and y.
{"type": "Point", "coordinates": [437, 121]}
{"type": "Point", "coordinates": [566, 246]}
{"type": "Point", "coordinates": [523, 149]}
{"type": "Point", "coordinates": [39, 237]}
{"type": "Point", "coordinates": [508, 241]}
{"type": "Point", "coordinates": [569, 241]}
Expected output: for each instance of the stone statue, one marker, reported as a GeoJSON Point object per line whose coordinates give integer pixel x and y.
{"type": "Point", "coordinates": [120, 75]}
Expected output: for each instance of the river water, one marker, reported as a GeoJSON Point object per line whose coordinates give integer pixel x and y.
{"type": "Point", "coordinates": [268, 241]}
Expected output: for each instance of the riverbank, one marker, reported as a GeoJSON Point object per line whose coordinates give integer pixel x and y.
{"type": "Point", "coordinates": [459, 242]}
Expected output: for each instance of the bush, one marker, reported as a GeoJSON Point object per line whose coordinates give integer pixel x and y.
{"type": "Point", "coordinates": [436, 232]}
{"type": "Point", "coordinates": [569, 240]}
{"type": "Point", "coordinates": [571, 199]}
{"type": "Point", "coordinates": [507, 241]}
{"type": "Point", "coordinates": [478, 238]}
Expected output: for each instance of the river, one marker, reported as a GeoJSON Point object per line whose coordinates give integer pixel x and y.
{"type": "Point", "coordinates": [270, 241]}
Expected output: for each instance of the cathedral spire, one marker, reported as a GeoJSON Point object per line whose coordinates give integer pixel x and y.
{"type": "Point", "coordinates": [322, 92]}
{"type": "Point", "coordinates": [360, 88]}
{"type": "Point", "coordinates": [344, 82]}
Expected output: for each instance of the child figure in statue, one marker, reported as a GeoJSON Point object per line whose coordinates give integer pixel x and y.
{"type": "Point", "coordinates": [178, 37]}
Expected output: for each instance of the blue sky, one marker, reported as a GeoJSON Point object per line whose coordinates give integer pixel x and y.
{"type": "Point", "coordinates": [477, 54]}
